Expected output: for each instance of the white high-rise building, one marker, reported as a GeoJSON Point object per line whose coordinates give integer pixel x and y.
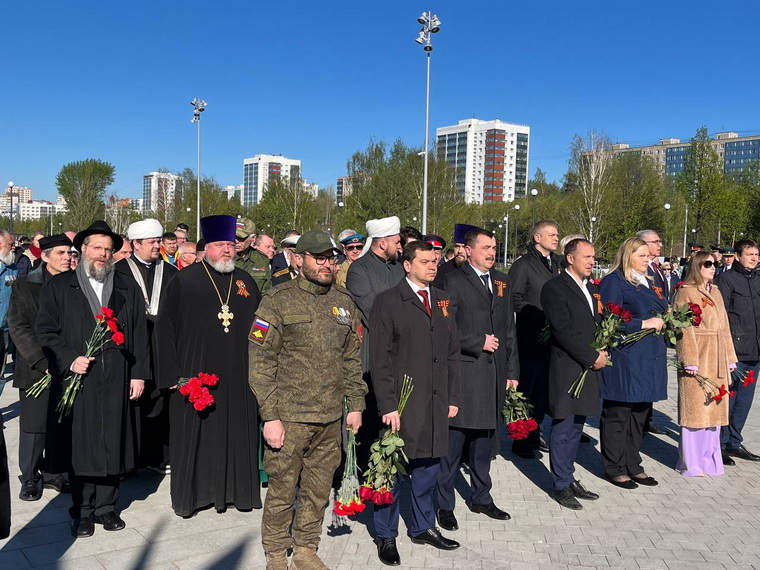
{"type": "Point", "coordinates": [234, 192]}
{"type": "Point", "coordinates": [160, 190]}
{"type": "Point", "coordinates": [489, 158]}
{"type": "Point", "coordinates": [258, 171]}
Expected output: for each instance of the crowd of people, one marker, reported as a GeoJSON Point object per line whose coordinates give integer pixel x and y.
{"type": "Point", "coordinates": [225, 343]}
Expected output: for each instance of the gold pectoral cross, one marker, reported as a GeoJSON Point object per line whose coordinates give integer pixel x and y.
{"type": "Point", "coordinates": [225, 316]}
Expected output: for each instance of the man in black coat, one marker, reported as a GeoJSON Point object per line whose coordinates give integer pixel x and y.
{"type": "Point", "coordinates": [526, 278]}
{"type": "Point", "coordinates": [65, 323]}
{"type": "Point", "coordinates": [32, 366]}
{"type": "Point", "coordinates": [740, 288]}
{"type": "Point", "coordinates": [573, 308]}
{"type": "Point", "coordinates": [460, 255]}
{"type": "Point", "coordinates": [414, 334]}
{"type": "Point", "coordinates": [151, 274]}
{"type": "Point", "coordinates": [483, 311]}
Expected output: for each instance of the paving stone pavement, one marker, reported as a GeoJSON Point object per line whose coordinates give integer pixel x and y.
{"type": "Point", "coordinates": [706, 523]}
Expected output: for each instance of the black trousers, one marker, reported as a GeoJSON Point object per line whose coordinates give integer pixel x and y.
{"type": "Point", "coordinates": [534, 383]}
{"type": "Point", "coordinates": [93, 495]}
{"type": "Point", "coordinates": [31, 451]}
{"type": "Point", "coordinates": [621, 430]}
{"type": "Point", "coordinates": [479, 443]}
{"type": "Point", "coordinates": [564, 438]}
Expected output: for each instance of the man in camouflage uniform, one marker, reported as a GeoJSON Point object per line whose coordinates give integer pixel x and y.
{"type": "Point", "coordinates": [249, 259]}
{"type": "Point", "coordinates": [304, 359]}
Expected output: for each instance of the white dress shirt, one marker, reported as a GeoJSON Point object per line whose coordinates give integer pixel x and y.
{"type": "Point", "coordinates": [584, 288]}
{"type": "Point", "coordinates": [479, 273]}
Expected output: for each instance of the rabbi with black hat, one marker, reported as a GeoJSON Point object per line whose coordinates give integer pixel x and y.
{"type": "Point", "coordinates": [95, 428]}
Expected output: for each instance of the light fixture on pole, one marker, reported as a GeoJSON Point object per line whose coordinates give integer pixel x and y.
{"type": "Point", "coordinates": [685, 227]}
{"type": "Point", "coordinates": [534, 193]}
{"type": "Point", "coordinates": [506, 238]}
{"type": "Point", "coordinates": [199, 105]}
{"type": "Point", "coordinates": [10, 190]}
{"type": "Point", "coordinates": [517, 217]}
{"type": "Point", "coordinates": [667, 223]}
{"type": "Point", "coordinates": [430, 25]}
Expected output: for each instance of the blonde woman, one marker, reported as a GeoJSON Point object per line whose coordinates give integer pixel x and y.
{"type": "Point", "coordinates": [706, 350]}
{"type": "Point", "coordinates": [638, 375]}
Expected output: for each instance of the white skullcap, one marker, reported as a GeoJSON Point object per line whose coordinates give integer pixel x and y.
{"type": "Point", "coordinates": [381, 228]}
{"type": "Point", "coordinates": [145, 229]}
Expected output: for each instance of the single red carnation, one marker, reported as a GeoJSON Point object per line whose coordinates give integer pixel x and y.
{"type": "Point", "coordinates": [387, 498]}
{"type": "Point", "coordinates": [342, 510]}
{"type": "Point", "coordinates": [614, 308]}
{"type": "Point", "coordinates": [696, 309]}
{"type": "Point", "coordinates": [696, 321]}
{"type": "Point", "coordinates": [731, 394]}
{"type": "Point", "coordinates": [107, 313]}
{"type": "Point", "coordinates": [184, 390]}
{"type": "Point", "coordinates": [365, 492]}
{"type": "Point", "coordinates": [358, 506]}
{"type": "Point", "coordinates": [376, 498]}
{"type": "Point", "coordinates": [678, 286]}
{"type": "Point", "coordinates": [625, 316]}
{"type": "Point", "coordinates": [111, 324]}
{"type": "Point", "coordinates": [532, 424]}
{"type": "Point", "coordinates": [208, 379]}
{"type": "Point", "coordinates": [118, 338]}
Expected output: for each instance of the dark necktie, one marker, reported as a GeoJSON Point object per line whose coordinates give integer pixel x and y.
{"type": "Point", "coordinates": [547, 262]}
{"type": "Point", "coordinates": [484, 279]}
{"type": "Point", "coordinates": [425, 301]}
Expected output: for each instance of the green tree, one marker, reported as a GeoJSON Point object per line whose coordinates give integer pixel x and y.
{"type": "Point", "coordinates": [286, 204]}
{"type": "Point", "coordinates": [83, 184]}
{"type": "Point", "coordinates": [213, 201]}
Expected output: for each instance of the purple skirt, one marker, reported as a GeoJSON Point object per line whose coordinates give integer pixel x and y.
{"type": "Point", "coordinates": [699, 452]}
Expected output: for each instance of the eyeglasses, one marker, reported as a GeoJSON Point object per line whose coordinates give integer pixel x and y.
{"type": "Point", "coordinates": [655, 241]}
{"type": "Point", "coordinates": [708, 264]}
{"type": "Point", "coordinates": [100, 250]}
{"type": "Point", "coordinates": [353, 247]}
{"type": "Point", "coordinates": [322, 259]}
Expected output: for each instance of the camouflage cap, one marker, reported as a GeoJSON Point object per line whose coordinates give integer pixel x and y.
{"type": "Point", "coordinates": [244, 228]}
{"type": "Point", "coordinates": [315, 241]}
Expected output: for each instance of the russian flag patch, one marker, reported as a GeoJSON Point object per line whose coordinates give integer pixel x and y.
{"type": "Point", "coordinates": [259, 330]}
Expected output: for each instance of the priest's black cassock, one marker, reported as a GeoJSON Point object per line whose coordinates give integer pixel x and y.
{"type": "Point", "coordinates": [214, 453]}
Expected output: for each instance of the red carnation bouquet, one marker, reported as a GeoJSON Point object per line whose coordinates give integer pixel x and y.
{"type": "Point", "coordinates": [349, 502]}
{"type": "Point", "coordinates": [517, 414]}
{"type": "Point", "coordinates": [609, 333]}
{"type": "Point", "coordinates": [749, 378]}
{"type": "Point", "coordinates": [196, 390]}
{"type": "Point", "coordinates": [106, 330]}
{"type": "Point", "coordinates": [713, 391]}
{"type": "Point", "coordinates": [387, 459]}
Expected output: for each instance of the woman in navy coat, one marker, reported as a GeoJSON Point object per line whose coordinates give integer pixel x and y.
{"type": "Point", "coordinates": [638, 375]}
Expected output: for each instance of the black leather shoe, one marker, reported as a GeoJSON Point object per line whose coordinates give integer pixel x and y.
{"type": "Point", "coordinates": [446, 519]}
{"type": "Point", "coordinates": [727, 458]}
{"type": "Point", "coordinates": [110, 521]}
{"type": "Point", "coordinates": [743, 453]}
{"type": "Point", "coordinates": [58, 484]}
{"type": "Point", "coordinates": [646, 481]}
{"type": "Point", "coordinates": [433, 537]}
{"type": "Point", "coordinates": [522, 450]}
{"type": "Point", "coordinates": [654, 430]}
{"type": "Point", "coordinates": [82, 528]}
{"type": "Point", "coordinates": [627, 484]}
{"type": "Point", "coordinates": [30, 491]}
{"type": "Point", "coordinates": [542, 445]}
{"type": "Point", "coordinates": [585, 438]}
{"type": "Point", "coordinates": [490, 510]}
{"type": "Point", "coordinates": [581, 492]}
{"type": "Point", "coordinates": [387, 552]}
{"type": "Point", "coordinates": [567, 499]}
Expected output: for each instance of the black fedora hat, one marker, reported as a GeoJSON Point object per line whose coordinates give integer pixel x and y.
{"type": "Point", "coordinates": [98, 228]}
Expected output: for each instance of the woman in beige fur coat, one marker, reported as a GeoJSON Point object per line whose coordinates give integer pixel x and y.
{"type": "Point", "coordinates": [706, 350]}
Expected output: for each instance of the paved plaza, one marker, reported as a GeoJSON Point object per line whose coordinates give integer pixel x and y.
{"type": "Point", "coordinates": [691, 524]}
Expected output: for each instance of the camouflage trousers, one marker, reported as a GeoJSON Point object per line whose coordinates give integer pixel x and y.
{"type": "Point", "coordinates": [311, 452]}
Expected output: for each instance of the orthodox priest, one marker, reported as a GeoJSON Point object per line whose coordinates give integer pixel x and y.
{"type": "Point", "coordinates": [96, 426]}
{"type": "Point", "coordinates": [151, 274]}
{"type": "Point", "coordinates": [206, 315]}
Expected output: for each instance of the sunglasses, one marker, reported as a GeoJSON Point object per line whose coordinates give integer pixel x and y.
{"type": "Point", "coordinates": [708, 264]}
{"type": "Point", "coordinates": [353, 247]}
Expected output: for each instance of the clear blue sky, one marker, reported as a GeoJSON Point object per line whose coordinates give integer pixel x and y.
{"type": "Point", "coordinates": [316, 80]}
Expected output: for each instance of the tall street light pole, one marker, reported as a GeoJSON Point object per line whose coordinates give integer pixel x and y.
{"type": "Point", "coordinates": [517, 217]}
{"type": "Point", "coordinates": [685, 228]}
{"type": "Point", "coordinates": [199, 105]}
{"type": "Point", "coordinates": [506, 238]}
{"type": "Point", "coordinates": [534, 193]}
{"type": "Point", "coordinates": [667, 229]}
{"type": "Point", "coordinates": [340, 215]}
{"type": "Point", "coordinates": [10, 188]}
{"type": "Point", "coordinates": [430, 25]}
{"type": "Point", "coordinates": [593, 223]}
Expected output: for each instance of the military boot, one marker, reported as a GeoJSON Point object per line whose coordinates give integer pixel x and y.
{"type": "Point", "coordinates": [305, 558]}
{"type": "Point", "coordinates": [277, 560]}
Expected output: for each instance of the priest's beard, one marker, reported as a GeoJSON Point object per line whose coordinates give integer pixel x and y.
{"type": "Point", "coordinates": [98, 273]}
{"type": "Point", "coordinates": [8, 258]}
{"type": "Point", "coordinates": [222, 265]}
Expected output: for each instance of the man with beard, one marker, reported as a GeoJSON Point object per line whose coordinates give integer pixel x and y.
{"type": "Point", "coordinates": [69, 305]}
{"type": "Point", "coordinates": [206, 315]}
{"type": "Point", "coordinates": [526, 278]}
{"type": "Point", "coordinates": [151, 274]}
{"type": "Point", "coordinates": [8, 275]}
{"type": "Point", "coordinates": [304, 360]}
{"type": "Point", "coordinates": [32, 366]}
{"type": "Point", "coordinates": [353, 243]}
{"type": "Point", "coordinates": [460, 254]}
{"type": "Point", "coordinates": [376, 270]}
{"type": "Point", "coordinates": [485, 320]}
{"type": "Point", "coordinates": [250, 260]}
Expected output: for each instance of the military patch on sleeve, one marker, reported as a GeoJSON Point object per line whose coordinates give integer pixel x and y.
{"type": "Point", "coordinates": [259, 330]}
{"type": "Point", "coordinates": [281, 272]}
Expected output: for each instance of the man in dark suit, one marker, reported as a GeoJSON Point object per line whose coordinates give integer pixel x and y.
{"type": "Point", "coordinates": [414, 333]}
{"type": "Point", "coordinates": [573, 308]}
{"type": "Point", "coordinates": [526, 278]}
{"type": "Point", "coordinates": [460, 255]}
{"type": "Point", "coordinates": [654, 270]}
{"type": "Point", "coordinates": [483, 311]}
{"type": "Point", "coordinates": [671, 279]}
{"type": "Point", "coordinates": [280, 260]}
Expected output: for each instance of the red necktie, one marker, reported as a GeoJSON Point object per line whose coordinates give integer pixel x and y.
{"type": "Point", "coordinates": [425, 301]}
